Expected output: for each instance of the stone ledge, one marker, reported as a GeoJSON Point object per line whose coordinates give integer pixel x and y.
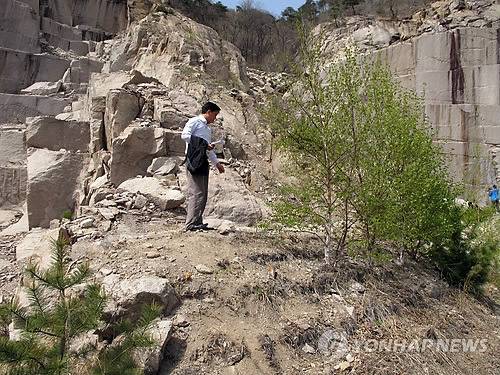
{"type": "Point", "coordinates": [15, 108]}
{"type": "Point", "coordinates": [20, 69]}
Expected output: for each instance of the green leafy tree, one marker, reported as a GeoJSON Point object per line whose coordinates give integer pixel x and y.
{"type": "Point", "coordinates": [62, 306]}
{"type": "Point", "coordinates": [53, 318]}
{"type": "Point", "coordinates": [361, 158]}
{"type": "Point", "coordinates": [309, 126]}
{"type": "Point", "coordinates": [402, 189]}
{"type": "Point", "coordinates": [471, 256]}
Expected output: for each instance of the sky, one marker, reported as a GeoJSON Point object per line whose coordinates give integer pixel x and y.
{"type": "Point", "coordinates": [275, 7]}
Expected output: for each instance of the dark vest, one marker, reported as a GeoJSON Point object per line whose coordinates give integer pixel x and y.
{"type": "Point", "coordinates": [196, 157]}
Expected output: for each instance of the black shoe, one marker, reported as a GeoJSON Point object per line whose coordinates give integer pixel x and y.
{"type": "Point", "coordinates": [206, 227]}
{"type": "Point", "coordinates": [196, 227]}
{"type": "Point", "coordinates": [202, 227]}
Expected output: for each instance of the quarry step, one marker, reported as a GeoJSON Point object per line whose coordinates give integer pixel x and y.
{"type": "Point", "coordinates": [14, 108]}
{"type": "Point", "coordinates": [19, 69]}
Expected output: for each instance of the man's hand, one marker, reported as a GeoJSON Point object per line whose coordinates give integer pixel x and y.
{"type": "Point", "coordinates": [220, 167]}
{"type": "Point", "coordinates": [210, 147]}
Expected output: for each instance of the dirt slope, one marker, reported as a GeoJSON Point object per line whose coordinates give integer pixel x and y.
{"type": "Point", "coordinates": [271, 307]}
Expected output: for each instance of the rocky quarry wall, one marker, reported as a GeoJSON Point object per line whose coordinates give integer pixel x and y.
{"type": "Point", "coordinates": [449, 54]}
{"type": "Point", "coordinates": [90, 125]}
{"type": "Point", "coordinates": [46, 57]}
{"type": "Point", "coordinates": [93, 96]}
{"type": "Point", "coordinates": [457, 74]}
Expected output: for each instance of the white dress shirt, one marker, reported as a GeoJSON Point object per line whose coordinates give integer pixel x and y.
{"type": "Point", "coordinates": [198, 127]}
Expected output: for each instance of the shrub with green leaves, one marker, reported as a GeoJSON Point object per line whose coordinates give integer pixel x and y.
{"type": "Point", "coordinates": [360, 157]}
{"type": "Point", "coordinates": [486, 246]}
{"type": "Point", "coordinates": [362, 167]}
{"type": "Point", "coordinates": [61, 307]}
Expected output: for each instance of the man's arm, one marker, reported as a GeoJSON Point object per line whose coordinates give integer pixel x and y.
{"type": "Point", "coordinates": [213, 159]}
{"type": "Point", "coordinates": [188, 130]}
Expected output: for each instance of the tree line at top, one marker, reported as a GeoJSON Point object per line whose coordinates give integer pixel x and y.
{"type": "Point", "coordinates": [269, 42]}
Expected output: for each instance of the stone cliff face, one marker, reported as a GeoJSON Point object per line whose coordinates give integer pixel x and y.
{"type": "Point", "coordinates": [88, 110]}
{"type": "Point", "coordinates": [455, 68]}
{"type": "Point", "coordinates": [457, 74]}
{"type": "Point", "coordinates": [189, 48]}
{"type": "Point", "coordinates": [107, 15]}
{"type": "Point", "coordinates": [93, 96]}
{"type": "Point", "coordinates": [50, 43]}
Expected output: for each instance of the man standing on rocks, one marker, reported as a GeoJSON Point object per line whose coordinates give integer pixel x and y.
{"type": "Point", "coordinates": [198, 137]}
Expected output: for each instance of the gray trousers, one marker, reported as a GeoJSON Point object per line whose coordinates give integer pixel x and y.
{"type": "Point", "coordinates": [197, 193]}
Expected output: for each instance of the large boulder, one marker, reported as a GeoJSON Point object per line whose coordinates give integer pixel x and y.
{"type": "Point", "coordinates": [80, 70]}
{"type": "Point", "coordinates": [19, 69]}
{"type": "Point", "coordinates": [129, 296]}
{"type": "Point", "coordinates": [134, 150]}
{"type": "Point", "coordinates": [16, 108]}
{"type": "Point", "coordinates": [101, 83]}
{"type": "Point", "coordinates": [146, 49]}
{"type": "Point", "coordinates": [53, 134]}
{"type": "Point", "coordinates": [122, 107]}
{"type": "Point", "coordinates": [43, 88]}
{"type": "Point", "coordinates": [164, 166]}
{"type": "Point", "coordinates": [362, 34]}
{"type": "Point", "coordinates": [54, 184]}
{"type": "Point", "coordinates": [173, 110]}
{"type": "Point", "coordinates": [155, 191]}
{"type": "Point", "coordinates": [168, 116]}
{"type": "Point", "coordinates": [101, 98]}
{"type": "Point", "coordinates": [381, 36]}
